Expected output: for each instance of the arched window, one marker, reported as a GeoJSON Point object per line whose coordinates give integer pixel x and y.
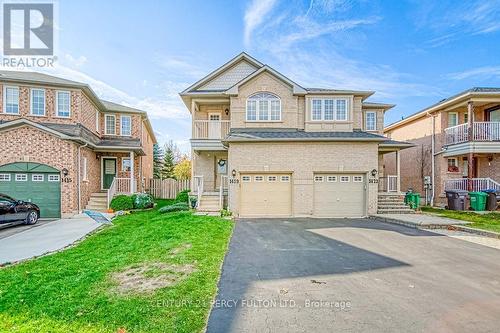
{"type": "Point", "coordinates": [263, 107]}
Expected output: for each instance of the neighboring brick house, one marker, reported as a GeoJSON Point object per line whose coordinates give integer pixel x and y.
{"type": "Point", "coordinates": [271, 147]}
{"type": "Point", "coordinates": [462, 132]}
{"type": "Point", "coordinates": [62, 145]}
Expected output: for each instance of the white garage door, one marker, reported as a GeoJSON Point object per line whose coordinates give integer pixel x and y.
{"type": "Point", "coordinates": [266, 195]}
{"type": "Point", "coordinates": [339, 195]}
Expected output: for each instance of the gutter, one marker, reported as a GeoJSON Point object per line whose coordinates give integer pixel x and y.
{"type": "Point", "coordinates": [433, 154]}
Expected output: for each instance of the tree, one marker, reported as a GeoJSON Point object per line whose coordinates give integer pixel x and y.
{"type": "Point", "coordinates": [157, 160]}
{"type": "Point", "coordinates": [182, 170]}
{"type": "Point", "coordinates": [171, 157]}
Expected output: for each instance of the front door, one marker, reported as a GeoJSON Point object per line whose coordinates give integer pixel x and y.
{"type": "Point", "coordinates": [108, 172]}
{"type": "Point", "coordinates": [214, 126]}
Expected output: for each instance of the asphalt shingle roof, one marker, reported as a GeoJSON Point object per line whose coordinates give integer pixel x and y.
{"type": "Point", "coordinates": [256, 134]}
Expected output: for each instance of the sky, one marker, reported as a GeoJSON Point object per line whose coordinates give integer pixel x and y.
{"type": "Point", "coordinates": [412, 53]}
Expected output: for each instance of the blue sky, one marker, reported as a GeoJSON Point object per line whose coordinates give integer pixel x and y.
{"type": "Point", "coordinates": [413, 53]}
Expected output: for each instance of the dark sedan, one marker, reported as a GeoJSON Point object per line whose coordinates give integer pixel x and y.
{"type": "Point", "coordinates": [13, 212]}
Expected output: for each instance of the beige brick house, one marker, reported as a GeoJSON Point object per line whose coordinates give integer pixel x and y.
{"type": "Point", "coordinates": [462, 132]}
{"type": "Point", "coordinates": [64, 148]}
{"type": "Point", "coordinates": [266, 146]}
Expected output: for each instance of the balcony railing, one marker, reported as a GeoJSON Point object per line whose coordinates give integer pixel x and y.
{"type": "Point", "coordinates": [211, 129]}
{"type": "Point", "coordinates": [481, 131]}
{"type": "Point", "coordinates": [477, 184]}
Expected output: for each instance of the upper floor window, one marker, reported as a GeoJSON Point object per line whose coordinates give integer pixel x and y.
{"type": "Point", "coordinates": [263, 107]}
{"type": "Point", "coordinates": [371, 121]}
{"type": "Point", "coordinates": [452, 119]}
{"type": "Point", "coordinates": [110, 124]}
{"type": "Point", "coordinates": [11, 104]}
{"type": "Point", "coordinates": [328, 109]}
{"type": "Point", "coordinates": [38, 102]}
{"type": "Point", "coordinates": [126, 125]}
{"type": "Point", "coordinates": [63, 103]}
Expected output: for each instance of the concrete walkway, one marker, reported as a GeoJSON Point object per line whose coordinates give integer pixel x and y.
{"type": "Point", "coordinates": [47, 238]}
{"type": "Point", "coordinates": [420, 220]}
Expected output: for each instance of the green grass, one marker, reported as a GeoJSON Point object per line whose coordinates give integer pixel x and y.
{"type": "Point", "coordinates": [489, 221]}
{"type": "Point", "coordinates": [71, 291]}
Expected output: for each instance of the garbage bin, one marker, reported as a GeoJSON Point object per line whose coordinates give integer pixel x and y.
{"type": "Point", "coordinates": [493, 198]}
{"type": "Point", "coordinates": [414, 200]}
{"type": "Point", "coordinates": [456, 199]}
{"type": "Point", "coordinates": [407, 196]}
{"type": "Point", "coordinates": [478, 201]}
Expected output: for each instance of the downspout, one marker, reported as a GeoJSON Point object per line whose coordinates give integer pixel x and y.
{"type": "Point", "coordinates": [433, 156]}
{"type": "Point", "coordinates": [79, 176]}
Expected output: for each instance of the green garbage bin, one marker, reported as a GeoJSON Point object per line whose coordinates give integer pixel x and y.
{"type": "Point", "coordinates": [414, 200]}
{"type": "Point", "coordinates": [478, 201]}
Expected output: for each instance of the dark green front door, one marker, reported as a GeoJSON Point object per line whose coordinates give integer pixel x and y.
{"type": "Point", "coordinates": [108, 172]}
{"type": "Point", "coordinates": [33, 182]}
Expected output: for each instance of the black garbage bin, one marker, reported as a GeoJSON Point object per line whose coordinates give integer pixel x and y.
{"type": "Point", "coordinates": [492, 201]}
{"type": "Point", "coordinates": [456, 199]}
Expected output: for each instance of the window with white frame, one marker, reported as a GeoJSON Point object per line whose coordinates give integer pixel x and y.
{"type": "Point", "coordinates": [345, 179]}
{"type": "Point", "coordinates": [11, 102]}
{"type": "Point", "coordinates": [263, 107]}
{"type": "Point", "coordinates": [285, 179]}
{"type": "Point", "coordinates": [272, 178]}
{"type": "Point", "coordinates": [329, 109]}
{"type": "Point", "coordinates": [21, 177]}
{"type": "Point", "coordinates": [4, 177]}
{"type": "Point", "coordinates": [38, 102]}
{"type": "Point", "coordinates": [37, 178]}
{"type": "Point", "coordinates": [318, 178]}
{"type": "Point", "coordinates": [371, 121]}
{"type": "Point", "coordinates": [259, 178]}
{"type": "Point", "coordinates": [357, 179]}
{"type": "Point", "coordinates": [246, 179]}
{"type": "Point", "coordinates": [126, 164]}
{"type": "Point", "coordinates": [453, 164]}
{"type": "Point", "coordinates": [63, 104]}
{"type": "Point", "coordinates": [452, 119]}
{"type": "Point", "coordinates": [126, 125]}
{"type": "Point", "coordinates": [331, 179]}
{"type": "Point", "coordinates": [110, 124]}
{"type": "Point", "coordinates": [84, 169]}
{"type": "Point", "coordinates": [53, 178]}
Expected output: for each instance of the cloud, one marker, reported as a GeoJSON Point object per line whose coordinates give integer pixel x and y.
{"type": "Point", "coordinates": [255, 15]}
{"type": "Point", "coordinates": [185, 65]}
{"type": "Point", "coordinates": [486, 72]}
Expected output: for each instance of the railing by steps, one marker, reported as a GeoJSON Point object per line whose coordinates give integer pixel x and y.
{"type": "Point", "coordinates": [478, 184]}
{"type": "Point", "coordinates": [388, 184]}
{"type": "Point", "coordinates": [223, 187]}
{"type": "Point", "coordinates": [481, 131]}
{"type": "Point", "coordinates": [121, 186]}
{"type": "Point", "coordinates": [198, 185]}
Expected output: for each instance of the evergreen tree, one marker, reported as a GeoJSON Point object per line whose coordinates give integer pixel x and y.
{"type": "Point", "coordinates": [157, 160]}
{"type": "Point", "coordinates": [169, 160]}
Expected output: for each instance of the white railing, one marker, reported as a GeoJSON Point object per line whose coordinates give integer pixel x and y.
{"type": "Point", "coordinates": [478, 184]}
{"type": "Point", "coordinates": [456, 134]}
{"type": "Point", "coordinates": [211, 129]}
{"type": "Point", "coordinates": [198, 185]}
{"type": "Point", "coordinates": [486, 131]}
{"type": "Point", "coordinates": [121, 186]}
{"type": "Point", "coordinates": [481, 131]}
{"type": "Point", "coordinates": [224, 184]}
{"type": "Point", "coordinates": [388, 184]}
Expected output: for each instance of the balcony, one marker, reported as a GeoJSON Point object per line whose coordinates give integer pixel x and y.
{"type": "Point", "coordinates": [483, 137]}
{"type": "Point", "coordinates": [473, 184]}
{"type": "Point", "coordinates": [207, 134]}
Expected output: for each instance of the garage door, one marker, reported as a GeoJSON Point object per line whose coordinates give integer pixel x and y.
{"type": "Point", "coordinates": [266, 195]}
{"type": "Point", "coordinates": [33, 182]}
{"type": "Point", "coordinates": [339, 195]}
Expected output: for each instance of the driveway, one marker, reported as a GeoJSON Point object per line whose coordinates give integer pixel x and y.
{"type": "Point", "coordinates": [326, 275]}
{"type": "Point", "coordinates": [47, 237]}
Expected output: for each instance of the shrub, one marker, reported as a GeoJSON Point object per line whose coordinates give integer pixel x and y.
{"type": "Point", "coordinates": [122, 202]}
{"type": "Point", "coordinates": [176, 207]}
{"type": "Point", "coordinates": [142, 201]}
{"type": "Point", "coordinates": [182, 196]}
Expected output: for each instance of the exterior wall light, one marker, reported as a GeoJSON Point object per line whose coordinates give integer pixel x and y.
{"type": "Point", "coordinates": [374, 172]}
{"type": "Point", "coordinates": [233, 173]}
{"type": "Point", "coordinates": [65, 172]}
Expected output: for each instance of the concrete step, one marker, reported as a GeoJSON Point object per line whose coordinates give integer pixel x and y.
{"type": "Point", "coordinates": [96, 208]}
{"type": "Point", "coordinates": [100, 200]}
{"type": "Point", "coordinates": [99, 194]}
{"type": "Point", "coordinates": [395, 211]}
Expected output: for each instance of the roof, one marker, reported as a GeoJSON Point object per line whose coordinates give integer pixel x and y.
{"type": "Point", "coordinates": [434, 107]}
{"type": "Point", "coordinates": [41, 78]}
{"type": "Point", "coordinates": [378, 105]}
{"type": "Point", "coordinates": [80, 134]}
{"type": "Point", "coordinates": [275, 134]}
{"type": "Point", "coordinates": [390, 142]}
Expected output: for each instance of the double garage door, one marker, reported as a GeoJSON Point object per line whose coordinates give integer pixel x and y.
{"type": "Point", "coordinates": [35, 183]}
{"type": "Point", "coordinates": [335, 195]}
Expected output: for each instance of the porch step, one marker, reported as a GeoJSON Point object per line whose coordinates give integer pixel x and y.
{"type": "Point", "coordinates": [395, 211]}
{"type": "Point", "coordinates": [209, 203]}
{"type": "Point", "coordinates": [393, 204]}
{"type": "Point", "coordinates": [98, 201]}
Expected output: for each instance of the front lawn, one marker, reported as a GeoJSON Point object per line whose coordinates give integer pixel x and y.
{"type": "Point", "coordinates": [149, 272]}
{"type": "Point", "coordinates": [488, 221]}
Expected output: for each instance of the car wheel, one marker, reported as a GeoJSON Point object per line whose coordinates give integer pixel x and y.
{"type": "Point", "coordinates": [32, 217]}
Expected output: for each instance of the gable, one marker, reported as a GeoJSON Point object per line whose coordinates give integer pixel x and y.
{"type": "Point", "coordinates": [230, 77]}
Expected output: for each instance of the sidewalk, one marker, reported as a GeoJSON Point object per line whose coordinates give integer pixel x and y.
{"type": "Point", "coordinates": [419, 220]}
{"type": "Point", "coordinates": [47, 238]}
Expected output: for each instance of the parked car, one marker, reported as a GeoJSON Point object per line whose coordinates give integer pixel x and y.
{"type": "Point", "coordinates": [13, 212]}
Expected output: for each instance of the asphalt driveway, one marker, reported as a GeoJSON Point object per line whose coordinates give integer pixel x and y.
{"type": "Point", "coordinates": [326, 275]}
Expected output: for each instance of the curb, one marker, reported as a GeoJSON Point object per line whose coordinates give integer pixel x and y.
{"type": "Point", "coordinates": [485, 233]}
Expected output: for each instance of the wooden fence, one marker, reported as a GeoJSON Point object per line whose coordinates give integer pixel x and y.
{"type": "Point", "coordinates": [167, 188]}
